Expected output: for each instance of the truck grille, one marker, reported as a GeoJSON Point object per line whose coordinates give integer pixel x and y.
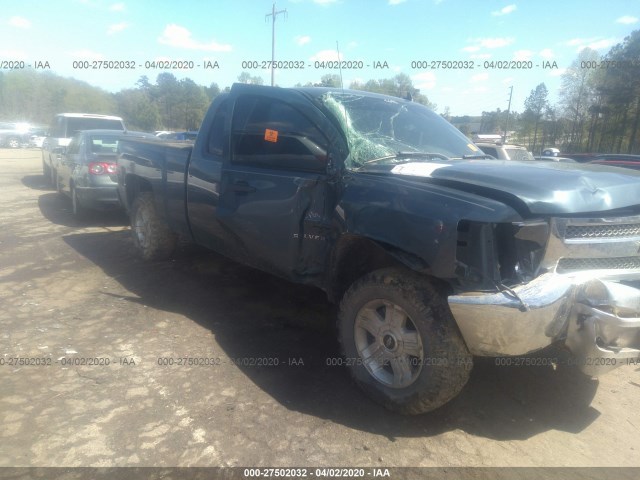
{"type": "Point", "coordinates": [602, 231]}
{"type": "Point", "coordinates": [566, 265]}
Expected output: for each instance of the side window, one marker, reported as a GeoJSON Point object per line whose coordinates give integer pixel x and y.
{"type": "Point", "coordinates": [74, 146]}
{"type": "Point", "coordinates": [271, 133]}
{"type": "Point", "coordinates": [216, 135]}
{"type": "Point", "coordinates": [490, 151]}
{"type": "Point", "coordinates": [57, 129]}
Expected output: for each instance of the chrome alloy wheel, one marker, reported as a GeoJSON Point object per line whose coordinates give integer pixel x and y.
{"type": "Point", "coordinates": [388, 343]}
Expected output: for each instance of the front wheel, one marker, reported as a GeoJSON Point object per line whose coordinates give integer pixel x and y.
{"type": "Point", "coordinates": [151, 235]}
{"type": "Point", "coordinates": [401, 342]}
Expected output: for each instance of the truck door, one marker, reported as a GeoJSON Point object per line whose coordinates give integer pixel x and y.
{"type": "Point", "coordinates": [204, 178]}
{"type": "Point", "coordinates": [276, 194]}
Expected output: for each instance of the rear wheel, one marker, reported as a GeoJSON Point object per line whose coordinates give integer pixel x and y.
{"type": "Point", "coordinates": [46, 172]}
{"type": "Point", "coordinates": [151, 235]}
{"type": "Point", "coordinates": [53, 174]}
{"type": "Point", "coordinates": [401, 342]}
{"type": "Point", "coordinates": [78, 210]}
{"type": "Point", "coordinates": [57, 183]}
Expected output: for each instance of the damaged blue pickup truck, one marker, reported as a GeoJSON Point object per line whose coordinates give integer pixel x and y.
{"type": "Point", "coordinates": [434, 251]}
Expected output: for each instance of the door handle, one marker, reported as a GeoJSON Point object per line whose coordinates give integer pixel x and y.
{"type": "Point", "coordinates": [242, 187]}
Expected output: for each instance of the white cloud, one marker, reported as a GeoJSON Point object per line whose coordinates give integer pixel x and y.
{"type": "Point", "coordinates": [326, 56]}
{"type": "Point", "coordinates": [602, 44]}
{"type": "Point", "coordinates": [424, 81]}
{"type": "Point", "coordinates": [480, 77]}
{"type": "Point", "coordinates": [117, 27]}
{"type": "Point", "coordinates": [595, 43]}
{"type": "Point", "coordinates": [302, 39]}
{"type": "Point", "coordinates": [495, 42]}
{"type": "Point", "coordinates": [352, 44]}
{"type": "Point", "coordinates": [480, 43]}
{"type": "Point", "coordinates": [480, 56]}
{"type": "Point", "coordinates": [627, 20]}
{"type": "Point", "coordinates": [19, 22]}
{"type": "Point", "coordinates": [504, 11]}
{"type": "Point", "coordinates": [522, 55]}
{"type": "Point", "coordinates": [86, 54]}
{"type": "Point", "coordinates": [177, 36]}
{"type": "Point", "coordinates": [577, 41]}
{"type": "Point", "coordinates": [117, 7]}
{"type": "Point", "coordinates": [546, 53]}
{"type": "Point", "coordinates": [396, 2]}
{"type": "Point", "coordinates": [507, 81]}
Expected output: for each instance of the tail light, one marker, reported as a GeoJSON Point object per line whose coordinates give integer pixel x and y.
{"type": "Point", "coordinates": [102, 168]}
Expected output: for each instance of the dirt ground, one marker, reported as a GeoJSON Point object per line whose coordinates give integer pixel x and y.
{"type": "Point", "coordinates": [107, 327]}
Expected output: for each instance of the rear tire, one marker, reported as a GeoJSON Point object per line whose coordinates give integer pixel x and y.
{"type": "Point", "coordinates": [401, 342]}
{"type": "Point", "coordinates": [151, 235]}
{"type": "Point", "coordinates": [78, 210]}
{"type": "Point", "coordinates": [46, 172]}
{"type": "Point", "coordinates": [57, 184]}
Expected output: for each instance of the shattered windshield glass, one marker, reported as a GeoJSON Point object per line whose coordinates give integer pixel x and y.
{"type": "Point", "coordinates": [379, 127]}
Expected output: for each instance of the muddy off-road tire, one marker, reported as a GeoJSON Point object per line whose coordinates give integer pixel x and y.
{"type": "Point", "coordinates": [401, 342]}
{"type": "Point", "coordinates": [151, 235]}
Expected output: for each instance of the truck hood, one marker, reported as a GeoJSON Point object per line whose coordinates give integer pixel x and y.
{"type": "Point", "coordinates": [541, 188]}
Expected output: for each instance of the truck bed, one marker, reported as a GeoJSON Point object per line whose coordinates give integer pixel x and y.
{"type": "Point", "coordinates": [163, 166]}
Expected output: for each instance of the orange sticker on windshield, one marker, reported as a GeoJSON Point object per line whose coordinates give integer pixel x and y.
{"type": "Point", "coordinates": [271, 135]}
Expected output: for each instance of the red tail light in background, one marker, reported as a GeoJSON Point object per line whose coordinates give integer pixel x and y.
{"type": "Point", "coordinates": [102, 168]}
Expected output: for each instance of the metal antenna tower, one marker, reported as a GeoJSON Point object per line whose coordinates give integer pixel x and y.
{"type": "Point", "coordinates": [273, 16]}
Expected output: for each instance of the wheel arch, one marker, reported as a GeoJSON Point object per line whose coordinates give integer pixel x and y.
{"type": "Point", "coordinates": [133, 186]}
{"type": "Point", "coordinates": [354, 256]}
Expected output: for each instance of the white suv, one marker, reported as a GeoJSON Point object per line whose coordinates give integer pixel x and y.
{"type": "Point", "coordinates": [506, 152]}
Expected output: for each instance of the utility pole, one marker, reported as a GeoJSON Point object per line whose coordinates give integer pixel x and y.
{"type": "Point", "coordinates": [273, 16]}
{"type": "Point", "coordinates": [506, 125]}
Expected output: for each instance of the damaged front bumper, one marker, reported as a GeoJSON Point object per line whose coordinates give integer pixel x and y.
{"type": "Point", "coordinates": [597, 319]}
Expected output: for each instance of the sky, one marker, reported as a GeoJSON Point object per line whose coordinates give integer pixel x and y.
{"type": "Point", "coordinates": [375, 39]}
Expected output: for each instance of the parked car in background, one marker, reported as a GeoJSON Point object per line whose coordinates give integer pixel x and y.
{"type": "Point", "coordinates": [618, 160]}
{"type": "Point", "coordinates": [551, 152]}
{"type": "Point", "coordinates": [580, 157]}
{"type": "Point", "coordinates": [86, 171]}
{"type": "Point", "coordinates": [505, 152]}
{"type": "Point", "coordinates": [546, 158]}
{"type": "Point", "coordinates": [15, 134]}
{"type": "Point", "coordinates": [65, 126]}
{"type": "Point", "coordinates": [179, 136]}
{"type": "Point", "coordinates": [37, 134]}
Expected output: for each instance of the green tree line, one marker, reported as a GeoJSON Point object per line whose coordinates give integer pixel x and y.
{"type": "Point", "coordinates": [598, 108]}
{"type": "Point", "coordinates": [166, 104]}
